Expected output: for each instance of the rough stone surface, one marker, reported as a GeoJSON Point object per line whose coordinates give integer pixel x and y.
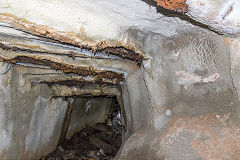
{"type": "Point", "coordinates": [180, 103]}
{"type": "Point", "coordinates": [218, 14]}
{"type": "Point", "coordinates": [87, 112]}
{"type": "Point", "coordinates": [32, 120]}
{"type": "Point", "coordinates": [6, 125]}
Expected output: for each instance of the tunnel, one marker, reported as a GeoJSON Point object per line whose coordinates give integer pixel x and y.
{"type": "Point", "coordinates": [92, 128]}
{"type": "Point", "coordinates": [122, 80]}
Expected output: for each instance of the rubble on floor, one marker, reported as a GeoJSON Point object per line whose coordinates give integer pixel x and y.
{"type": "Point", "coordinates": [100, 141]}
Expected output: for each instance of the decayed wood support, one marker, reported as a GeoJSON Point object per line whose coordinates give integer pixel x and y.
{"type": "Point", "coordinates": [72, 39]}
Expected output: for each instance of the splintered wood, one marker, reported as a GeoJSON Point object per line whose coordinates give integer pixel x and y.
{"type": "Point", "coordinates": [176, 5]}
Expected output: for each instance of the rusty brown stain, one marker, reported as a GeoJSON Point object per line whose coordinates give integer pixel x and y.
{"type": "Point", "coordinates": [3, 154]}
{"type": "Point", "coordinates": [202, 4]}
{"type": "Point", "coordinates": [227, 41]}
{"type": "Point", "coordinates": [229, 10]}
{"type": "Point", "coordinates": [5, 80]}
{"type": "Point", "coordinates": [176, 5]}
{"type": "Point", "coordinates": [67, 68]}
{"type": "Point", "coordinates": [222, 137]}
{"type": "Point", "coordinates": [127, 52]}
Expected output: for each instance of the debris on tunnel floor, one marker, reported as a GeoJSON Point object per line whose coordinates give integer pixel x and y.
{"type": "Point", "coordinates": [100, 141]}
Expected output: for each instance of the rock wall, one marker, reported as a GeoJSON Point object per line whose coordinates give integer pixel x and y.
{"type": "Point", "coordinates": [87, 111]}
{"type": "Point", "coordinates": [192, 102]}
{"type": "Point", "coordinates": [6, 125]}
{"type": "Point", "coordinates": [178, 82]}
{"type": "Point", "coordinates": [31, 121]}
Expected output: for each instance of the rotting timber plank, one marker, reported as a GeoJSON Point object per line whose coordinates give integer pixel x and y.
{"type": "Point", "coordinates": [31, 49]}
{"type": "Point", "coordinates": [67, 68]}
{"type": "Point", "coordinates": [176, 5]}
{"type": "Point", "coordinates": [76, 82]}
{"type": "Point", "coordinates": [87, 90]}
{"type": "Point", "coordinates": [126, 52]}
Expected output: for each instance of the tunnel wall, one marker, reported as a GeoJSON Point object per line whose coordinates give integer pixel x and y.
{"type": "Point", "coordinates": [181, 103]}
{"type": "Point", "coordinates": [32, 121]}
{"type": "Point", "coordinates": [82, 116]}
{"type": "Point", "coordinates": [187, 86]}
{"type": "Point", "coordinates": [190, 101]}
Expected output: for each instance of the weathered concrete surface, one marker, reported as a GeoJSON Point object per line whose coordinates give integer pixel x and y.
{"type": "Point", "coordinates": [45, 127]}
{"type": "Point", "coordinates": [30, 118]}
{"type": "Point", "coordinates": [114, 15]}
{"type": "Point", "coordinates": [220, 15]}
{"type": "Point", "coordinates": [87, 111]}
{"type": "Point", "coordinates": [206, 137]}
{"type": "Point", "coordinates": [189, 78]}
{"type": "Point", "coordinates": [6, 125]}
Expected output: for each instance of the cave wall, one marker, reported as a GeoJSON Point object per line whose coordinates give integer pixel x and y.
{"type": "Point", "coordinates": [31, 123]}
{"type": "Point", "coordinates": [87, 112]}
{"type": "Point", "coordinates": [32, 119]}
{"type": "Point", "coordinates": [181, 103]}
{"type": "Point", "coordinates": [6, 125]}
{"type": "Point", "coordinates": [192, 99]}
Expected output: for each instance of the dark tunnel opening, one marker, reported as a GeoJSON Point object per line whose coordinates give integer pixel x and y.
{"type": "Point", "coordinates": [92, 129]}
